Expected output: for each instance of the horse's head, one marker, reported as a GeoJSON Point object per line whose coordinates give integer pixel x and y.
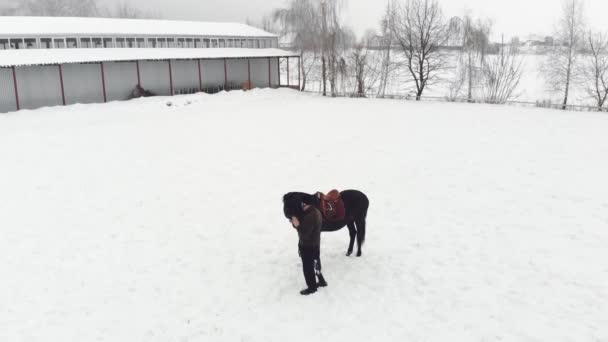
{"type": "Point", "coordinates": [292, 203]}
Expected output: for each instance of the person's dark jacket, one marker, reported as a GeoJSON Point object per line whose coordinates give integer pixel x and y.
{"type": "Point", "coordinates": [310, 228]}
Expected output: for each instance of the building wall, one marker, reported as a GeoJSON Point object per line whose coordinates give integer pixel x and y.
{"type": "Point", "coordinates": [121, 80]}
{"type": "Point", "coordinates": [259, 72]}
{"type": "Point", "coordinates": [213, 73]}
{"type": "Point", "coordinates": [237, 72]}
{"type": "Point", "coordinates": [274, 71]}
{"type": "Point", "coordinates": [39, 86]}
{"type": "Point", "coordinates": [82, 83]}
{"type": "Point", "coordinates": [7, 91]}
{"type": "Point", "coordinates": [185, 76]}
{"type": "Point", "coordinates": [155, 77]}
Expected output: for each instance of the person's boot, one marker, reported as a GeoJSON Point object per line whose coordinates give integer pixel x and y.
{"type": "Point", "coordinates": [308, 291]}
{"type": "Point", "coordinates": [322, 282]}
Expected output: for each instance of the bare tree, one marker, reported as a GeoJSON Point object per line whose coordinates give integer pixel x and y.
{"type": "Point", "coordinates": [299, 23]}
{"type": "Point", "coordinates": [386, 44]}
{"type": "Point", "coordinates": [268, 24]}
{"type": "Point", "coordinates": [473, 36]}
{"type": "Point", "coordinates": [420, 30]}
{"type": "Point", "coordinates": [341, 53]}
{"type": "Point", "coordinates": [359, 65]}
{"type": "Point", "coordinates": [314, 28]}
{"type": "Point", "coordinates": [366, 66]}
{"type": "Point", "coordinates": [336, 40]}
{"type": "Point", "coordinates": [561, 67]}
{"type": "Point", "coordinates": [456, 82]}
{"type": "Point", "coordinates": [501, 75]}
{"type": "Point", "coordinates": [324, 35]}
{"type": "Point", "coordinates": [595, 69]}
{"type": "Point", "coordinates": [515, 44]}
{"type": "Point", "coordinates": [475, 44]}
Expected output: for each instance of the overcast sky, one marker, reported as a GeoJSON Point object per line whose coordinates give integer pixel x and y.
{"type": "Point", "coordinates": [511, 17]}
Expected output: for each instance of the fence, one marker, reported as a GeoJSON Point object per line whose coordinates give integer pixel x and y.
{"type": "Point", "coordinates": [412, 97]}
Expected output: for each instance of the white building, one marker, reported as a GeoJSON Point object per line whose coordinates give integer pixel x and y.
{"type": "Point", "coordinates": [58, 61]}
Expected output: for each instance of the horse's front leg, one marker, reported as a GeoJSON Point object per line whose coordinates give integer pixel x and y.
{"type": "Point", "coordinates": [353, 233]}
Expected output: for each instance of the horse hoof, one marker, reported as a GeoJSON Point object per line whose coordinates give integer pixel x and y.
{"type": "Point", "coordinates": [358, 254]}
{"type": "Point", "coordinates": [349, 253]}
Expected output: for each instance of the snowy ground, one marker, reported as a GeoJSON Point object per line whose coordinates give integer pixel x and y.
{"type": "Point", "coordinates": [142, 222]}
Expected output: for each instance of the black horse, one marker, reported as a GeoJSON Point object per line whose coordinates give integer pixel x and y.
{"type": "Point", "coordinates": [355, 205]}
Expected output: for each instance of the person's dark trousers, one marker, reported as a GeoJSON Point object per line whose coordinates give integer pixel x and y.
{"type": "Point", "coordinates": [311, 256]}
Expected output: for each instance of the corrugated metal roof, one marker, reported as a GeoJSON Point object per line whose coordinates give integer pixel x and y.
{"type": "Point", "coordinates": [9, 58]}
{"type": "Point", "coordinates": [62, 26]}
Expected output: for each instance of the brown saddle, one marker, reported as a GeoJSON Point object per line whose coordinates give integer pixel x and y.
{"type": "Point", "coordinates": [332, 206]}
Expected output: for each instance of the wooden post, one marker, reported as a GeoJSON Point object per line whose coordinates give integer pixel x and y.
{"type": "Point", "coordinates": [200, 76]}
{"type": "Point", "coordinates": [300, 73]}
{"type": "Point", "coordinates": [249, 72]}
{"type": "Point", "coordinates": [225, 75]}
{"type": "Point", "coordinates": [61, 80]}
{"type": "Point", "coordinates": [288, 71]}
{"type": "Point", "coordinates": [16, 89]}
{"type": "Point", "coordinates": [279, 70]}
{"type": "Point", "coordinates": [269, 74]}
{"type": "Point", "coordinates": [170, 78]}
{"type": "Point", "coordinates": [138, 80]}
{"type": "Point", "coordinates": [103, 83]}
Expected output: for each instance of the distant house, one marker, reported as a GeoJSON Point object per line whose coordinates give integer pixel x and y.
{"type": "Point", "coordinates": [58, 61]}
{"type": "Point", "coordinates": [536, 44]}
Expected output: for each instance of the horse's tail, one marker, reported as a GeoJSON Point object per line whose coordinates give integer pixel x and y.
{"type": "Point", "coordinates": [361, 231]}
{"type": "Point", "coordinates": [362, 222]}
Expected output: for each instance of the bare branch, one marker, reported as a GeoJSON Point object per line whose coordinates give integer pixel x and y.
{"type": "Point", "coordinates": [561, 68]}
{"type": "Point", "coordinates": [595, 69]}
{"type": "Point", "coordinates": [420, 30]}
{"type": "Point", "coordinates": [501, 76]}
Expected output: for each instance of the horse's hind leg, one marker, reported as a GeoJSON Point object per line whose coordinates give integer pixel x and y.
{"type": "Point", "coordinates": [360, 234]}
{"type": "Point", "coordinates": [352, 232]}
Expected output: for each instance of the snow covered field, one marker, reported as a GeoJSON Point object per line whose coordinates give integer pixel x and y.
{"type": "Point", "coordinates": [142, 222]}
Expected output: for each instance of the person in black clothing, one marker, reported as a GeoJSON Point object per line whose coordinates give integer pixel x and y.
{"type": "Point", "coordinates": [309, 232]}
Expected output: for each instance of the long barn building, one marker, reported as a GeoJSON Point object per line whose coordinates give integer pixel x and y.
{"type": "Point", "coordinates": [60, 61]}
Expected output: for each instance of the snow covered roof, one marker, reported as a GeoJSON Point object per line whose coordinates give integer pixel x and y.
{"type": "Point", "coordinates": [9, 58]}
{"type": "Point", "coordinates": [65, 26]}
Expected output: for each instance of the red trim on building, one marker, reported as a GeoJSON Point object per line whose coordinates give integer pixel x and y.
{"type": "Point", "coordinates": [16, 89]}
{"type": "Point", "coordinates": [170, 78]}
{"type": "Point", "coordinates": [225, 74]}
{"type": "Point", "coordinates": [138, 79]}
{"type": "Point", "coordinates": [200, 76]}
{"type": "Point", "coordinates": [299, 73]}
{"type": "Point", "coordinates": [103, 83]}
{"type": "Point", "coordinates": [249, 72]}
{"type": "Point", "coordinates": [62, 87]}
{"type": "Point", "coordinates": [269, 74]}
